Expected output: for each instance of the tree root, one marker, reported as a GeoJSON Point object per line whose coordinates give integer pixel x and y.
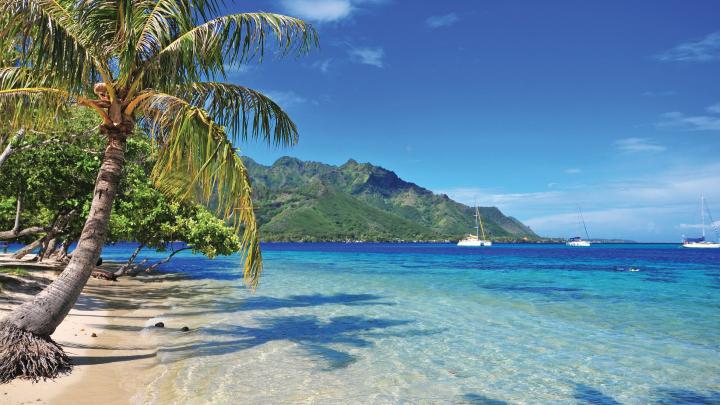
{"type": "Point", "coordinates": [27, 356]}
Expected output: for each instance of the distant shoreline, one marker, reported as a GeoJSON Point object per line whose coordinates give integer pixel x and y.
{"type": "Point", "coordinates": [562, 242]}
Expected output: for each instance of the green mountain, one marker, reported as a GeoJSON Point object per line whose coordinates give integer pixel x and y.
{"type": "Point", "coordinates": [311, 201]}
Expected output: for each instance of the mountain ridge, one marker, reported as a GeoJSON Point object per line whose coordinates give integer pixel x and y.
{"type": "Point", "coordinates": [313, 201]}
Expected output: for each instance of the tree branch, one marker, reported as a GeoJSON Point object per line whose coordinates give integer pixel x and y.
{"type": "Point", "coordinates": [9, 149]}
{"type": "Point", "coordinates": [154, 266]}
{"type": "Point", "coordinates": [65, 141]}
{"type": "Point", "coordinates": [13, 234]}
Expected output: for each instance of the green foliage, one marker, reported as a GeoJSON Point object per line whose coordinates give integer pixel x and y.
{"type": "Point", "coordinates": [312, 201]}
{"type": "Point", "coordinates": [143, 214]}
{"type": "Point", "coordinates": [151, 58]}
{"type": "Point", "coordinates": [54, 171]}
{"type": "Point", "coordinates": [57, 177]}
{"type": "Point", "coordinates": [207, 234]}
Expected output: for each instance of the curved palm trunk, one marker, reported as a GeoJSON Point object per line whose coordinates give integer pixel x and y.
{"type": "Point", "coordinates": [36, 320]}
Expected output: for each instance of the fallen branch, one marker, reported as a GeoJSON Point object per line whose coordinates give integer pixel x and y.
{"type": "Point", "coordinates": [14, 233]}
{"type": "Point", "coordinates": [103, 275]}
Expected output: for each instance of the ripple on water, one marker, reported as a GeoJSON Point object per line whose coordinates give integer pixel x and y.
{"type": "Point", "coordinates": [383, 323]}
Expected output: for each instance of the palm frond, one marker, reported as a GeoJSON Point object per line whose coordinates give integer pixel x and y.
{"type": "Point", "coordinates": [49, 35]}
{"type": "Point", "coordinates": [204, 50]}
{"type": "Point", "coordinates": [246, 113]}
{"type": "Point", "coordinates": [32, 107]}
{"type": "Point", "coordinates": [35, 98]}
{"type": "Point", "coordinates": [196, 161]}
{"type": "Point", "coordinates": [165, 20]}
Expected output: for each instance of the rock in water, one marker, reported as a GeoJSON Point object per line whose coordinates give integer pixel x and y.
{"type": "Point", "coordinates": [185, 329]}
{"type": "Point", "coordinates": [160, 325]}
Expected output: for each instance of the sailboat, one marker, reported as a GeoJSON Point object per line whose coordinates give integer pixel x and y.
{"type": "Point", "coordinates": [701, 243]}
{"type": "Point", "coordinates": [578, 241]}
{"type": "Point", "coordinates": [474, 240]}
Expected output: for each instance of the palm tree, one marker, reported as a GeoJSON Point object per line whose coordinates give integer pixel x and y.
{"type": "Point", "coordinates": [151, 63]}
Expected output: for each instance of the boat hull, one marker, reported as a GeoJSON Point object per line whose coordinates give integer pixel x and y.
{"type": "Point", "coordinates": [701, 245]}
{"type": "Point", "coordinates": [578, 243]}
{"type": "Point", "coordinates": [474, 243]}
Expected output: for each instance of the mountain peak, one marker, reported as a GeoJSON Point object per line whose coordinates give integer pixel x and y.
{"type": "Point", "coordinates": [305, 199]}
{"type": "Point", "coordinates": [288, 161]}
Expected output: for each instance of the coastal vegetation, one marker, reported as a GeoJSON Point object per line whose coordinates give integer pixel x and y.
{"type": "Point", "coordinates": [44, 182]}
{"type": "Point", "coordinates": [146, 68]}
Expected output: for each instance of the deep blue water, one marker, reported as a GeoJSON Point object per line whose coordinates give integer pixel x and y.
{"type": "Point", "coordinates": [434, 323]}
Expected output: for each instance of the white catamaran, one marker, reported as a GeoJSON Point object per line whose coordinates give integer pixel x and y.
{"type": "Point", "coordinates": [701, 243]}
{"type": "Point", "coordinates": [578, 241]}
{"type": "Point", "coordinates": [474, 240]}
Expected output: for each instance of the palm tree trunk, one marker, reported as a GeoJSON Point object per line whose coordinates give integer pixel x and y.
{"type": "Point", "coordinates": [25, 250]}
{"type": "Point", "coordinates": [18, 211]}
{"type": "Point", "coordinates": [36, 320]}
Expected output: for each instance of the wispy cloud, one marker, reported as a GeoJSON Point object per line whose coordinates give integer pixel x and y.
{"type": "Point", "coordinates": [573, 170]}
{"type": "Point", "coordinates": [468, 195]}
{"type": "Point", "coordinates": [238, 69]}
{"type": "Point", "coordinates": [704, 50]}
{"type": "Point", "coordinates": [681, 121]}
{"type": "Point", "coordinates": [638, 145]}
{"type": "Point", "coordinates": [321, 11]}
{"type": "Point", "coordinates": [715, 108]}
{"type": "Point", "coordinates": [713, 225]}
{"type": "Point", "coordinates": [368, 55]}
{"type": "Point", "coordinates": [663, 93]}
{"type": "Point", "coordinates": [644, 208]}
{"type": "Point", "coordinates": [439, 21]}
{"type": "Point", "coordinates": [285, 98]}
{"type": "Point", "coordinates": [323, 65]}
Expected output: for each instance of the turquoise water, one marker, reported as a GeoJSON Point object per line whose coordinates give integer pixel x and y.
{"type": "Point", "coordinates": [427, 323]}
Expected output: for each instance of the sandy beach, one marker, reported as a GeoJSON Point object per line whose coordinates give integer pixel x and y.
{"type": "Point", "coordinates": [103, 336]}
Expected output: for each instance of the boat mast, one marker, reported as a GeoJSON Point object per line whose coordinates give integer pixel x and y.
{"type": "Point", "coordinates": [477, 212]}
{"type": "Point", "coordinates": [477, 221]}
{"type": "Point", "coordinates": [702, 213]}
{"type": "Point", "coordinates": [583, 222]}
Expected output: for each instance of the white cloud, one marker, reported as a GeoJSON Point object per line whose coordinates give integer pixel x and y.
{"type": "Point", "coordinates": [684, 122]}
{"type": "Point", "coordinates": [368, 55]}
{"type": "Point", "coordinates": [438, 21]}
{"type": "Point", "coordinates": [663, 93]}
{"type": "Point", "coordinates": [573, 170]}
{"type": "Point", "coordinates": [704, 50]}
{"type": "Point", "coordinates": [323, 65]}
{"type": "Point", "coordinates": [319, 10]}
{"type": "Point", "coordinates": [642, 208]}
{"type": "Point", "coordinates": [638, 145]}
{"type": "Point", "coordinates": [678, 120]}
{"type": "Point", "coordinates": [713, 225]}
{"type": "Point", "coordinates": [468, 195]}
{"type": "Point", "coordinates": [238, 69]}
{"type": "Point", "coordinates": [285, 98]}
{"type": "Point", "coordinates": [715, 108]}
{"type": "Point", "coordinates": [322, 11]}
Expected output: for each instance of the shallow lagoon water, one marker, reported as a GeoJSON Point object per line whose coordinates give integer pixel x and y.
{"type": "Point", "coordinates": [434, 323]}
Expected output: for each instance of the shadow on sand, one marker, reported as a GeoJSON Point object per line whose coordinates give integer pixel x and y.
{"type": "Point", "coordinates": [327, 340]}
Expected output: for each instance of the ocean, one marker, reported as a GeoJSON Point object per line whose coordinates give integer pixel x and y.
{"type": "Point", "coordinates": [377, 323]}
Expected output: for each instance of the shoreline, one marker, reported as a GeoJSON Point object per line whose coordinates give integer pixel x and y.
{"type": "Point", "coordinates": [109, 368]}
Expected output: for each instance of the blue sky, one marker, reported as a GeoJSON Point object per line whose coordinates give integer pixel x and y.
{"type": "Point", "coordinates": [535, 107]}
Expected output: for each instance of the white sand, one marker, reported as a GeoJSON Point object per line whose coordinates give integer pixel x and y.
{"type": "Point", "coordinates": [109, 368]}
